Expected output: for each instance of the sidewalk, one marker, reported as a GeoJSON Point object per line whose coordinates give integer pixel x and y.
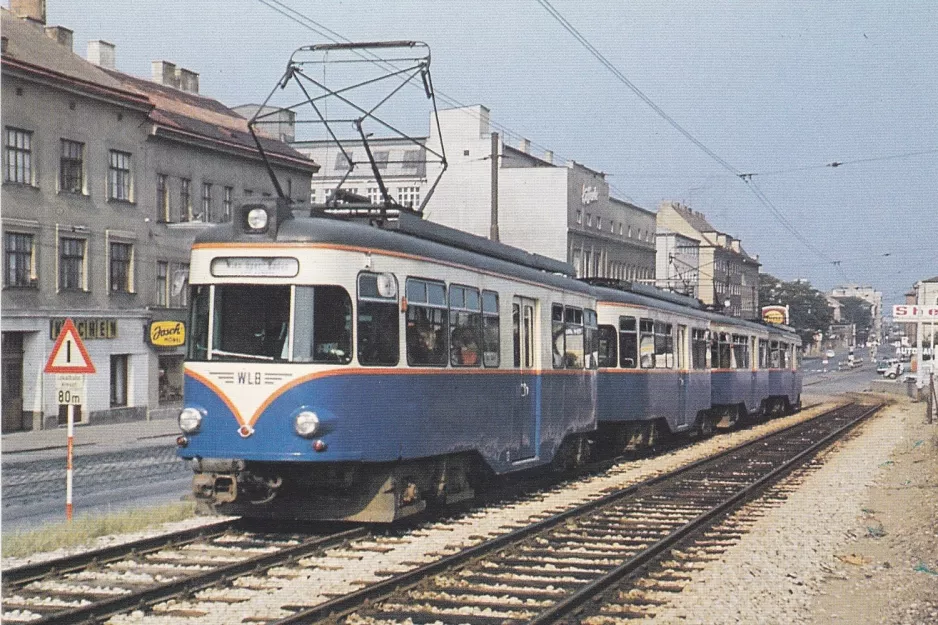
{"type": "Point", "coordinates": [89, 439]}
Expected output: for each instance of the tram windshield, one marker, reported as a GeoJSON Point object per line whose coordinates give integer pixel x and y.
{"type": "Point", "coordinates": [253, 323]}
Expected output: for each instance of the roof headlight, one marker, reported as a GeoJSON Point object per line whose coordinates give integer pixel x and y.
{"type": "Point", "coordinates": [306, 424]}
{"type": "Point", "coordinates": [257, 219]}
{"type": "Point", "coordinates": [190, 419]}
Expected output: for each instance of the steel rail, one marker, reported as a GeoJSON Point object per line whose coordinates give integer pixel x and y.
{"type": "Point", "coordinates": [339, 607]}
{"type": "Point", "coordinates": [564, 608]}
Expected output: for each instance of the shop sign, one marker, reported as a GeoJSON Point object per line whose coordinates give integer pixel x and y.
{"type": "Point", "coordinates": [167, 333]}
{"type": "Point", "coordinates": [775, 314]}
{"type": "Point", "coordinates": [87, 328]}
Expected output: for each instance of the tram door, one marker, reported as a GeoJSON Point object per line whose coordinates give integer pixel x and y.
{"type": "Point", "coordinates": [524, 419]}
{"type": "Point", "coordinates": [683, 375]}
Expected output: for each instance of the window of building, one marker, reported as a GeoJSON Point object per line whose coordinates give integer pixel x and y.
{"type": "Point", "coordinates": [185, 199]}
{"type": "Point", "coordinates": [620, 228]}
{"type": "Point", "coordinates": [630, 231]}
{"type": "Point", "coordinates": [226, 204]}
{"type": "Point", "coordinates": [71, 264]}
{"type": "Point", "coordinates": [378, 320]}
{"type": "Point", "coordinates": [19, 156]}
{"type": "Point", "coordinates": [179, 288]}
{"type": "Point", "coordinates": [599, 222]}
{"type": "Point", "coordinates": [408, 196]}
{"type": "Point", "coordinates": [589, 220]}
{"type": "Point", "coordinates": [374, 195]}
{"type": "Point", "coordinates": [427, 323]}
{"type": "Point", "coordinates": [118, 380]}
{"type": "Point", "coordinates": [411, 159]}
{"type": "Point", "coordinates": [343, 162]}
{"type": "Point", "coordinates": [206, 214]}
{"type": "Point", "coordinates": [381, 158]}
{"type": "Point", "coordinates": [20, 261]}
{"type": "Point", "coordinates": [162, 283]}
{"type": "Point", "coordinates": [465, 326]}
{"type": "Point", "coordinates": [121, 264]}
{"type": "Point", "coordinates": [579, 216]}
{"type": "Point", "coordinates": [312, 196]}
{"type": "Point", "coordinates": [119, 176]}
{"type": "Point", "coordinates": [162, 198]}
{"type": "Point", "coordinates": [71, 167]}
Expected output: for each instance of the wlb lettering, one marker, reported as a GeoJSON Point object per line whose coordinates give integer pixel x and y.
{"type": "Point", "coordinates": [249, 378]}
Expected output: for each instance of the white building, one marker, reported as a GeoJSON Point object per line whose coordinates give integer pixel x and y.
{"type": "Point", "coordinates": [870, 295]}
{"type": "Point", "coordinates": [677, 263]}
{"type": "Point", "coordinates": [491, 189]}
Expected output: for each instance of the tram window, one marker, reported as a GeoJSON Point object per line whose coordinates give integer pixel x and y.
{"type": "Point", "coordinates": [721, 356]}
{"type": "Point", "coordinates": [740, 351]}
{"type": "Point", "coordinates": [763, 354]}
{"type": "Point", "coordinates": [607, 346]}
{"type": "Point", "coordinates": [251, 322]}
{"type": "Point", "coordinates": [646, 343]}
{"type": "Point", "coordinates": [628, 342]}
{"type": "Point", "coordinates": [490, 329]}
{"type": "Point", "coordinates": [591, 337]}
{"type": "Point", "coordinates": [378, 320]}
{"type": "Point", "coordinates": [699, 351]}
{"type": "Point", "coordinates": [516, 328]}
{"type": "Point", "coordinates": [664, 345]}
{"type": "Point", "coordinates": [198, 322]}
{"type": "Point", "coordinates": [322, 330]}
{"type": "Point", "coordinates": [465, 316]}
{"type": "Point", "coordinates": [573, 357]}
{"type": "Point", "coordinates": [783, 355]}
{"type": "Point", "coordinates": [427, 323]}
{"type": "Point", "coordinates": [775, 358]}
{"type": "Point", "coordinates": [557, 335]}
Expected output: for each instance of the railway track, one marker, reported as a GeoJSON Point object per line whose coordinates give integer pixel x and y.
{"type": "Point", "coordinates": [540, 572]}
{"type": "Point", "coordinates": [92, 586]}
{"type": "Point", "coordinates": [550, 571]}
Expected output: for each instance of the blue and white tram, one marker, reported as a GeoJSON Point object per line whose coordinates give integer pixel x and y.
{"type": "Point", "coordinates": [338, 370]}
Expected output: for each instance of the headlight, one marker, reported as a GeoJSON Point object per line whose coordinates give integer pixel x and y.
{"type": "Point", "coordinates": [257, 219]}
{"type": "Point", "coordinates": [189, 420]}
{"type": "Point", "coordinates": [306, 424]}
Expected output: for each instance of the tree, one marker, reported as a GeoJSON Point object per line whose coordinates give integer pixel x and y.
{"type": "Point", "coordinates": [808, 312]}
{"type": "Point", "coordinates": [857, 311]}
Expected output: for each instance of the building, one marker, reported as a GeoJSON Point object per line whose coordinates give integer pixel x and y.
{"type": "Point", "coordinates": [869, 295]}
{"type": "Point", "coordinates": [677, 263]}
{"type": "Point", "coordinates": [107, 178]}
{"type": "Point", "coordinates": [923, 293]}
{"type": "Point", "coordinates": [727, 277]}
{"type": "Point", "coordinates": [492, 189]}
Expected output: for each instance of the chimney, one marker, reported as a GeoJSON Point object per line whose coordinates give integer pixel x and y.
{"type": "Point", "coordinates": [187, 80]}
{"type": "Point", "coordinates": [60, 35]}
{"type": "Point", "coordinates": [734, 244]}
{"type": "Point", "coordinates": [549, 156]}
{"type": "Point", "coordinates": [102, 53]}
{"type": "Point", "coordinates": [164, 73]}
{"type": "Point", "coordinates": [31, 10]}
{"type": "Point", "coordinates": [525, 145]}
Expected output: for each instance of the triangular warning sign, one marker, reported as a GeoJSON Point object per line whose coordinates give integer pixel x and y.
{"type": "Point", "coordinates": [69, 354]}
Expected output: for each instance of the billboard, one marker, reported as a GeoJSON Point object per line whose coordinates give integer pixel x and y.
{"type": "Point", "coordinates": [775, 314]}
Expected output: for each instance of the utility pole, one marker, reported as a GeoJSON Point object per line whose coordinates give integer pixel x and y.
{"type": "Point", "coordinates": [493, 231]}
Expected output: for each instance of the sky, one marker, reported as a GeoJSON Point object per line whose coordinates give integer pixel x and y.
{"type": "Point", "coordinates": [778, 90]}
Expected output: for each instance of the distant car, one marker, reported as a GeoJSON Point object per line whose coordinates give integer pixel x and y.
{"type": "Point", "coordinates": [885, 365]}
{"type": "Point", "coordinates": [830, 353]}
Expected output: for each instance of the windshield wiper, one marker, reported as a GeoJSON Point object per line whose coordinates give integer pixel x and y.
{"type": "Point", "coordinates": [239, 355]}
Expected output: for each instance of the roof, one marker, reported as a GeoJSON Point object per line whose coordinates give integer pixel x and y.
{"type": "Point", "coordinates": [190, 113]}
{"type": "Point", "coordinates": [29, 49]}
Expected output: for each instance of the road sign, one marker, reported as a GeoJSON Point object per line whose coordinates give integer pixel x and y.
{"type": "Point", "coordinates": [69, 354]}
{"type": "Point", "coordinates": [69, 388]}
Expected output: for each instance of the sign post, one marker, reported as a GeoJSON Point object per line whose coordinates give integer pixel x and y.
{"type": "Point", "coordinates": [69, 361]}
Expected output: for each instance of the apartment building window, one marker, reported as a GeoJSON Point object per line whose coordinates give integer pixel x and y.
{"type": "Point", "coordinates": [19, 266]}
{"type": "Point", "coordinates": [119, 178]}
{"type": "Point", "coordinates": [162, 198]}
{"type": "Point", "coordinates": [19, 156]}
{"type": "Point", "coordinates": [408, 196]}
{"type": "Point", "coordinates": [343, 163]}
{"type": "Point", "coordinates": [589, 220]}
{"type": "Point", "coordinates": [599, 222]}
{"type": "Point", "coordinates": [381, 159]}
{"type": "Point", "coordinates": [179, 290]}
{"type": "Point", "coordinates": [579, 216]}
{"type": "Point", "coordinates": [121, 263]}
{"type": "Point", "coordinates": [206, 214]}
{"type": "Point", "coordinates": [71, 264]}
{"type": "Point", "coordinates": [118, 380]}
{"type": "Point", "coordinates": [162, 283]}
{"type": "Point", "coordinates": [312, 196]}
{"type": "Point", "coordinates": [71, 167]}
{"type": "Point", "coordinates": [373, 195]}
{"type": "Point", "coordinates": [226, 204]}
{"type": "Point", "coordinates": [411, 159]}
{"type": "Point", "coordinates": [185, 199]}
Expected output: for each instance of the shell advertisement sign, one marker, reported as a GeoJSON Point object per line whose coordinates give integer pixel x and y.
{"type": "Point", "coordinates": [775, 314]}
